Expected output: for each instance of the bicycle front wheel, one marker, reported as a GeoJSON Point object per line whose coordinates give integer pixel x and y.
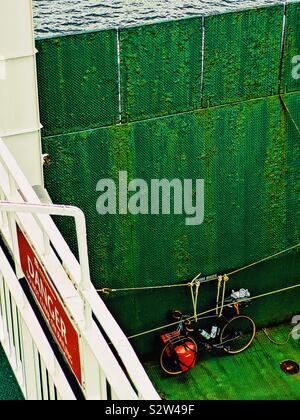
{"type": "Point", "coordinates": [238, 334]}
{"type": "Point", "coordinates": [168, 361]}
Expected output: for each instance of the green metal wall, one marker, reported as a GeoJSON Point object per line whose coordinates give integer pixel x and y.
{"type": "Point", "coordinates": [242, 55]}
{"type": "Point", "coordinates": [161, 68]}
{"type": "Point", "coordinates": [248, 153]}
{"type": "Point", "coordinates": [78, 81]}
{"type": "Point", "coordinates": [292, 46]}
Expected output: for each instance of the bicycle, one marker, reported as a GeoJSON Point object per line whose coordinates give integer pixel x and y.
{"type": "Point", "coordinates": [231, 333]}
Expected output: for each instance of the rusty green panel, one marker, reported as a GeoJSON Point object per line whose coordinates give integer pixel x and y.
{"type": "Point", "coordinates": [161, 68]}
{"type": "Point", "coordinates": [248, 154]}
{"type": "Point", "coordinates": [291, 62]}
{"type": "Point", "coordinates": [242, 55]}
{"type": "Point", "coordinates": [78, 81]}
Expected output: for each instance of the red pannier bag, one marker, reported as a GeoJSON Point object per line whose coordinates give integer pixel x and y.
{"type": "Point", "coordinates": [182, 349]}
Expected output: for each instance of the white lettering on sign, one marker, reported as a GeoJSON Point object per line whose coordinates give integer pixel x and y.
{"type": "Point", "coordinates": [49, 301]}
{"type": "Point", "coordinates": [41, 288]}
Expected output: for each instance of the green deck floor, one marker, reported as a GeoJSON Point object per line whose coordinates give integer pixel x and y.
{"type": "Point", "coordinates": [252, 375]}
{"type": "Point", "coordinates": [9, 388]}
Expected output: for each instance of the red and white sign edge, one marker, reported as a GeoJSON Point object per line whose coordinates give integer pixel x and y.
{"type": "Point", "coordinates": [59, 322]}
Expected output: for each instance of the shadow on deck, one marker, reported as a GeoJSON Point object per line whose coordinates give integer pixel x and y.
{"type": "Point", "coordinates": [252, 375]}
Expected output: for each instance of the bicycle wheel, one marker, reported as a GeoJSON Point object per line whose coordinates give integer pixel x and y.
{"type": "Point", "coordinates": [238, 334]}
{"type": "Point", "coordinates": [168, 361]}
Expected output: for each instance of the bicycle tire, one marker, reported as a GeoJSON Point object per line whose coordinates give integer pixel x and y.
{"type": "Point", "coordinates": [166, 363]}
{"type": "Point", "coordinates": [248, 334]}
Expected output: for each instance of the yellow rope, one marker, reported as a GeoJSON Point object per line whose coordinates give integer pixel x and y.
{"type": "Point", "coordinates": [277, 342]}
{"type": "Point", "coordinates": [213, 310]}
{"type": "Point", "coordinates": [107, 290]}
{"type": "Point", "coordinates": [194, 279]}
{"type": "Point", "coordinates": [263, 260]}
{"type": "Point", "coordinates": [225, 280]}
{"type": "Point", "coordinates": [195, 284]}
{"type": "Point", "coordinates": [195, 296]}
{"type": "Point", "coordinates": [220, 279]}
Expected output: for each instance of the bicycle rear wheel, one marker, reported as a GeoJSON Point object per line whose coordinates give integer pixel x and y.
{"type": "Point", "coordinates": [168, 361]}
{"type": "Point", "coordinates": [238, 334]}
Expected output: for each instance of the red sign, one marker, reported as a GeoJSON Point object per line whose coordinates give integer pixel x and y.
{"type": "Point", "coordinates": [49, 301]}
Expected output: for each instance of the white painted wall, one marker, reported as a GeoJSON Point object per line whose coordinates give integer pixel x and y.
{"type": "Point", "coordinates": [19, 111]}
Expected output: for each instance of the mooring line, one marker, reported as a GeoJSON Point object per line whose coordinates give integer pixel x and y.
{"type": "Point", "coordinates": [213, 310]}
{"type": "Point", "coordinates": [107, 290]}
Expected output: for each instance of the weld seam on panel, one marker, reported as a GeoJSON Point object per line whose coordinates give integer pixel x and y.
{"type": "Point", "coordinates": [200, 110]}
{"type": "Point", "coordinates": [282, 50]}
{"type": "Point", "coordinates": [119, 75]}
{"type": "Point", "coordinates": [202, 62]}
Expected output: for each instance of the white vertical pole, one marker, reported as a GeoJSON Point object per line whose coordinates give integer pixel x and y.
{"type": "Point", "coordinates": [29, 363]}
{"type": "Point", "coordinates": [19, 110]}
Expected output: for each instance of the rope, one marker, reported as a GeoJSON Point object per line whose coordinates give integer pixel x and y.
{"type": "Point", "coordinates": [225, 280]}
{"type": "Point", "coordinates": [277, 342]}
{"type": "Point", "coordinates": [213, 310]}
{"type": "Point", "coordinates": [220, 278]}
{"type": "Point", "coordinates": [107, 290]}
{"type": "Point", "coordinates": [263, 260]}
{"type": "Point", "coordinates": [195, 294]}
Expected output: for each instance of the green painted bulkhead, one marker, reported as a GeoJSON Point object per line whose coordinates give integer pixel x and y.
{"type": "Point", "coordinates": [192, 99]}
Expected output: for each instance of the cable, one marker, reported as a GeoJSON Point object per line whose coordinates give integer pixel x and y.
{"type": "Point", "coordinates": [277, 342]}
{"type": "Point", "coordinates": [264, 259]}
{"type": "Point", "coordinates": [213, 310]}
{"type": "Point", "coordinates": [225, 280]}
{"type": "Point", "coordinates": [220, 278]}
{"type": "Point", "coordinates": [107, 290]}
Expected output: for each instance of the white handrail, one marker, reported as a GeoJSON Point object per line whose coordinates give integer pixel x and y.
{"type": "Point", "coordinates": [92, 343]}
{"type": "Point", "coordinates": [78, 274]}
{"type": "Point", "coordinates": [37, 335]}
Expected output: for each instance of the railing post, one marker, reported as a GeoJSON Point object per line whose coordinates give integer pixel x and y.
{"type": "Point", "coordinates": [91, 375]}
{"type": "Point", "coordinates": [29, 365]}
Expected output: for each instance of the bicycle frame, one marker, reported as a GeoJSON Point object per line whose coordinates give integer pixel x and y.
{"type": "Point", "coordinates": [210, 342]}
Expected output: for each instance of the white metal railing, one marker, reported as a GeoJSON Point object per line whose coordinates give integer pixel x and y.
{"type": "Point", "coordinates": [102, 375]}
{"type": "Point", "coordinates": [24, 342]}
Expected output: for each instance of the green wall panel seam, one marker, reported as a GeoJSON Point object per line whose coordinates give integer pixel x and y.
{"type": "Point", "coordinates": [61, 114]}
{"type": "Point", "coordinates": [167, 116]}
